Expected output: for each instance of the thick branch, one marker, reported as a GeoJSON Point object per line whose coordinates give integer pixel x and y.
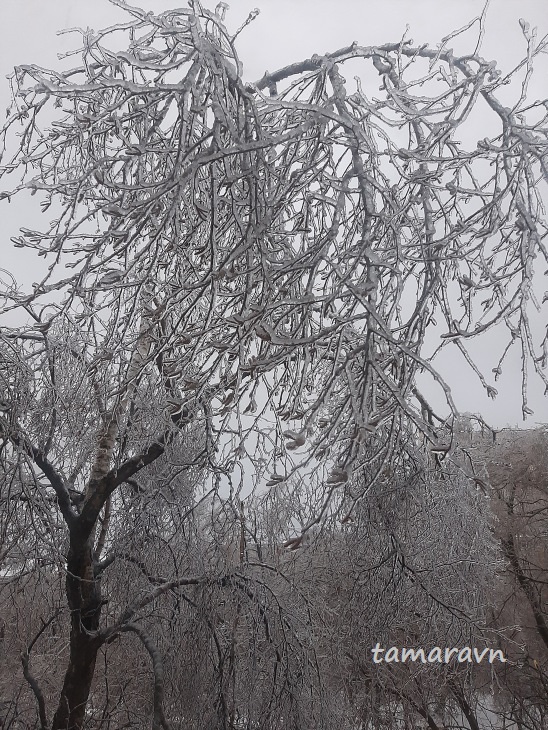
{"type": "Point", "coordinates": [137, 605]}
{"type": "Point", "coordinates": [55, 479]}
{"type": "Point", "coordinates": [99, 492]}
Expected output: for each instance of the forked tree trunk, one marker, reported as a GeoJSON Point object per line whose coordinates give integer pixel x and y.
{"type": "Point", "coordinates": [84, 600]}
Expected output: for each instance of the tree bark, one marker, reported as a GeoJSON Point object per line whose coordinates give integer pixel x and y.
{"type": "Point", "coordinates": [464, 706]}
{"type": "Point", "coordinates": [527, 586]}
{"type": "Point", "coordinates": [84, 599]}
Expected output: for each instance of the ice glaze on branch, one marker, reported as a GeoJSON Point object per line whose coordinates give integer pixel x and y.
{"type": "Point", "coordinates": [300, 245]}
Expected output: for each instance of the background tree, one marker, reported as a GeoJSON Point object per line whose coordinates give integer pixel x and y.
{"type": "Point", "coordinates": [518, 472]}
{"type": "Point", "coordinates": [238, 289]}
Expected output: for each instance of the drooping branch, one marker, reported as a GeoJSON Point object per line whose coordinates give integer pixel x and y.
{"type": "Point", "coordinates": [141, 602]}
{"type": "Point", "coordinates": [32, 681]}
{"type": "Point", "coordinates": [159, 719]}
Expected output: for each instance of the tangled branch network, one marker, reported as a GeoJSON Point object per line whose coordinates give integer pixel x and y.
{"type": "Point", "coordinates": [267, 260]}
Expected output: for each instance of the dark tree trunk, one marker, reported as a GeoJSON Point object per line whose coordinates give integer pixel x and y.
{"type": "Point", "coordinates": [527, 586]}
{"type": "Point", "coordinates": [84, 600]}
{"type": "Point", "coordinates": [464, 706]}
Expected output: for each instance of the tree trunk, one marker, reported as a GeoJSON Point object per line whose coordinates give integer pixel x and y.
{"type": "Point", "coordinates": [84, 600]}
{"type": "Point", "coordinates": [527, 586]}
{"type": "Point", "coordinates": [462, 702]}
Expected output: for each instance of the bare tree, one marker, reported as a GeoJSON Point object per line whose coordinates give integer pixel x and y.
{"type": "Point", "coordinates": [248, 278]}
{"type": "Point", "coordinates": [518, 472]}
{"type": "Point", "coordinates": [414, 567]}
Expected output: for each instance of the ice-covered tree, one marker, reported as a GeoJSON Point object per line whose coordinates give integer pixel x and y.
{"type": "Point", "coordinates": [241, 276]}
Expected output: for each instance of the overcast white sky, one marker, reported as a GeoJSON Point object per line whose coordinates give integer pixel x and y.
{"type": "Point", "coordinates": [290, 30]}
{"type": "Point", "coordinates": [285, 30]}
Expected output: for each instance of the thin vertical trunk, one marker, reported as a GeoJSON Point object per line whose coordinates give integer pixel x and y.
{"type": "Point", "coordinates": [527, 586]}
{"type": "Point", "coordinates": [462, 702]}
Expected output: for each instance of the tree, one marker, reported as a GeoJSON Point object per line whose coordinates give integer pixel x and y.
{"type": "Point", "coordinates": [404, 567]}
{"type": "Point", "coordinates": [235, 277]}
{"type": "Point", "coordinates": [518, 471]}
